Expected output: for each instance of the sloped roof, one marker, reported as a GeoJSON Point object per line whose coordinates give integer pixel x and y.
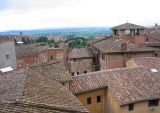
{"type": "Point", "coordinates": [113, 45]}
{"type": "Point", "coordinates": [56, 71]}
{"type": "Point", "coordinates": [151, 62]}
{"type": "Point", "coordinates": [28, 50]}
{"type": "Point", "coordinates": [128, 85]}
{"type": "Point", "coordinates": [127, 26]}
{"type": "Point", "coordinates": [29, 87]}
{"type": "Point", "coordinates": [80, 53]}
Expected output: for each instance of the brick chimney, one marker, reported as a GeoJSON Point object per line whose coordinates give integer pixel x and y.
{"type": "Point", "coordinates": [123, 46]}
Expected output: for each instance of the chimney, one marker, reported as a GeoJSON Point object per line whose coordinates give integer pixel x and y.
{"type": "Point", "coordinates": [123, 46]}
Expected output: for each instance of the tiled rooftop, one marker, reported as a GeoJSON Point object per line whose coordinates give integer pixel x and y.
{"type": "Point", "coordinates": [127, 85]}
{"type": "Point", "coordinates": [32, 88]}
{"type": "Point", "coordinates": [56, 71]}
{"type": "Point", "coordinates": [80, 53]}
{"type": "Point", "coordinates": [151, 62]}
{"type": "Point", "coordinates": [112, 45]}
{"type": "Point", "coordinates": [128, 26]}
{"type": "Point", "coordinates": [28, 50]}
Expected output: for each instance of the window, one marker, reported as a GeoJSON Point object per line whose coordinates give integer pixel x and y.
{"type": "Point", "coordinates": [63, 84]}
{"type": "Point", "coordinates": [7, 57]}
{"type": "Point", "coordinates": [127, 32]}
{"type": "Point", "coordinates": [74, 60]}
{"type": "Point", "coordinates": [147, 40]}
{"type": "Point", "coordinates": [137, 32]}
{"type": "Point", "coordinates": [130, 107]}
{"type": "Point", "coordinates": [77, 73]}
{"type": "Point", "coordinates": [85, 71]}
{"type": "Point", "coordinates": [115, 32]}
{"type": "Point", "coordinates": [98, 99]}
{"type": "Point", "coordinates": [89, 100]}
{"type": "Point", "coordinates": [156, 54]}
{"type": "Point", "coordinates": [72, 73]}
{"type": "Point", "coordinates": [152, 103]}
{"type": "Point", "coordinates": [51, 57]}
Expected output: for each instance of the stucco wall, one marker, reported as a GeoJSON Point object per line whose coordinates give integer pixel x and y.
{"type": "Point", "coordinates": [81, 65]}
{"type": "Point", "coordinates": [7, 48]}
{"type": "Point", "coordinates": [94, 107]}
{"type": "Point", "coordinates": [141, 107]}
{"type": "Point", "coordinates": [112, 105]}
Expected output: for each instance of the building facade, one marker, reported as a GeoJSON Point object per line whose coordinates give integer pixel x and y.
{"type": "Point", "coordinates": [53, 55]}
{"type": "Point", "coordinates": [7, 52]}
{"type": "Point", "coordinates": [80, 61]}
{"type": "Point", "coordinates": [113, 53]}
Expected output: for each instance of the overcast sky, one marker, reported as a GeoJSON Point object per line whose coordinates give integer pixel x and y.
{"type": "Point", "coordinates": [37, 14]}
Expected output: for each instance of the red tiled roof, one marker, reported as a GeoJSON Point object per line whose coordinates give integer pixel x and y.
{"type": "Point", "coordinates": [28, 50]}
{"type": "Point", "coordinates": [56, 71]}
{"type": "Point", "coordinates": [31, 87]}
{"type": "Point", "coordinates": [80, 53]}
{"type": "Point", "coordinates": [127, 85]}
{"type": "Point", "coordinates": [151, 62]}
{"type": "Point", "coordinates": [113, 45]}
{"type": "Point", "coordinates": [128, 26]}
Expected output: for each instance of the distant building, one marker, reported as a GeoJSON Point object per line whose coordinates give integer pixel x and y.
{"type": "Point", "coordinates": [80, 61]}
{"type": "Point", "coordinates": [53, 55]}
{"type": "Point", "coordinates": [127, 90]}
{"type": "Point", "coordinates": [7, 52]}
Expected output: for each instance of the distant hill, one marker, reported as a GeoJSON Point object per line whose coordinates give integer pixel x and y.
{"type": "Point", "coordinates": [81, 32]}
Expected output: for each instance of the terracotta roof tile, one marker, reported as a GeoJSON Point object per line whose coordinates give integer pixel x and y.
{"type": "Point", "coordinates": [151, 62]}
{"type": "Point", "coordinates": [80, 53]}
{"type": "Point", "coordinates": [112, 45]}
{"type": "Point", "coordinates": [30, 87]}
{"type": "Point", "coordinates": [127, 85]}
{"type": "Point", "coordinates": [56, 71]}
{"type": "Point", "coordinates": [28, 50]}
{"type": "Point", "coordinates": [128, 26]}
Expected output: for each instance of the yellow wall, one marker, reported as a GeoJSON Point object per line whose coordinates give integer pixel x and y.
{"type": "Point", "coordinates": [141, 107]}
{"type": "Point", "coordinates": [130, 63]}
{"type": "Point", "coordinates": [112, 106]}
{"type": "Point", "coordinates": [94, 107]}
